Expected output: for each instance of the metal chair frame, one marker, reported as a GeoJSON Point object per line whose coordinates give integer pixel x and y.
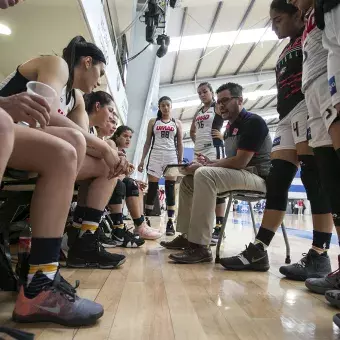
{"type": "Point", "coordinates": [247, 196]}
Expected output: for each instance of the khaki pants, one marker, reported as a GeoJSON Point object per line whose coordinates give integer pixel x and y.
{"type": "Point", "coordinates": [197, 198]}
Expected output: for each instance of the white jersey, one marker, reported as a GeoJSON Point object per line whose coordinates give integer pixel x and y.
{"type": "Point", "coordinates": [164, 135]}
{"type": "Point", "coordinates": [67, 102]}
{"type": "Point", "coordinates": [204, 122]}
{"type": "Point", "coordinates": [314, 54]}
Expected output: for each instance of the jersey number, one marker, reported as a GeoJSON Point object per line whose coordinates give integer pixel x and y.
{"type": "Point", "coordinates": [165, 134]}
{"type": "Point", "coordinates": [296, 128]}
{"type": "Point", "coordinates": [200, 124]}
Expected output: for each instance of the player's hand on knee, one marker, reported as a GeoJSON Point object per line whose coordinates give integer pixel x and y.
{"type": "Point", "coordinates": [130, 169]}
{"type": "Point", "coordinates": [27, 108]}
{"type": "Point", "coordinates": [121, 167]}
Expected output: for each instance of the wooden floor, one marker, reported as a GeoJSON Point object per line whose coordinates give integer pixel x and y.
{"type": "Point", "coordinates": [152, 298]}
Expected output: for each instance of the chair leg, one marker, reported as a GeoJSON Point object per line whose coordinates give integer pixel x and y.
{"type": "Point", "coordinates": [220, 239]}
{"type": "Point", "coordinates": [252, 218]}
{"type": "Point", "coordinates": [285, 236]}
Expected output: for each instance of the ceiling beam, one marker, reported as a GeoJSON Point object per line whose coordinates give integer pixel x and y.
{"type": "Point", "coordinates": [268, 55]}
{"type": "Point", "coordinates": [185, 11]}
{"type": "Point", "coordinates": [269, 102]}
{"type": "Point", "coordinates": [257, 88]}
{"type": "Point", "coordinates": [260, 98]}
{"type": "Point", "coordinates": [212, 27]}
{"type": "Point", "coordinates": [182, 91]}
{"type": "Point", "coordinates": [252, 48]}
{"type": "Point", "coordinates": [229, 48]}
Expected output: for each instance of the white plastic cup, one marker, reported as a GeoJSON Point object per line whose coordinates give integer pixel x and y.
{"type": "Point", "coordinates": [40, 89]}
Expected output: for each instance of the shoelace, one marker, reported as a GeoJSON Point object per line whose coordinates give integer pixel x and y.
{"type": "Point", "coordinates": [102, 236]}
{"type": "Point", "coordinates": [242, 253]}
{"type": "Point", "coordinates": [129, 233]}
{"type": "Point", "coordinates": [336, 272]}
{"type": "Point", "coordinates": [61, 285]}
{"type": "Point", "coordinates": [303, 262]}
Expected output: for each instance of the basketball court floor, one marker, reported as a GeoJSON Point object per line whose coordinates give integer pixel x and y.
{"type": "Point", "coordinates": [150, 298]}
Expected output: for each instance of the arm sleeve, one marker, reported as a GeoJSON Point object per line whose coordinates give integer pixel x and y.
{"type": "Point", "coordinates": [253, 134]}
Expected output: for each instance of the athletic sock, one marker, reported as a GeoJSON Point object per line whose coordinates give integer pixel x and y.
{"type": "Point", "coordinates": [171, 214]}
{"type": "Point", "coordinates": [91, 220]}
{"type": "Point", "coordinates": [117, 219]}
{"type": "Point", "coordinates": [264, 236]}
{"type": "Point", "coordinates": [138, 221]}
{"type": "Point", "coordinates": [219, 221]}
{"type": "Point", "coordinates": [44, 259]}
{"type": "Point", "coordinates": [321, 241]}
{"type": "Point", "coordinates": [78, 216]}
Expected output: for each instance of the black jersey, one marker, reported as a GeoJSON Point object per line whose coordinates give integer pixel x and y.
{"type": "Point", "coordinates": [289, 77]}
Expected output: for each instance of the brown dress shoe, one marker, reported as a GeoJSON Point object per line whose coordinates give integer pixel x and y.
{"type": "Point", "coordinates": [178, 243]}
{"type": "Point", "coordinates": [192, 255]}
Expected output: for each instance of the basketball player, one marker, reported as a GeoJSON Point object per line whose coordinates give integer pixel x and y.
{"type": "Point", "coordinates": [164, 137]}
{"type": "Point", "coordinates": [205, 132]}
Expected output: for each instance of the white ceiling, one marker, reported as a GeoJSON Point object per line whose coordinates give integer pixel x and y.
{"type": "Point", "coordinates": [180, 67]}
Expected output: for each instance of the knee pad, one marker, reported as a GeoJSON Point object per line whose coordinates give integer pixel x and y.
{"type": "Point", "coordinates": [132, 189]}
{"type": "Point", "coordinates": [152, 193]}
{"type": "Point", "coordinates": [118, 194]}
{"type": "Point", "coordinates": [220, 200]}
{"type": "Point", "coordinates": [310, 177]}
{"type": "Point", "coordinates": [280, 177]}
{"type": "Point", "coordinates": [329, 169]}
{"type": "Point", "coordinates": [170, 193]}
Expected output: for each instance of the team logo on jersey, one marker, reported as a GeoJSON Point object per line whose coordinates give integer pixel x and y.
{"type": "Point", "coordinates": [277, 141]}
{"type": "Point", "coordinates": [235, 131]}
{"type": "Point", "coordinates": [332, 86]}
{"type": "Point", "coordinates": [283, 70]}
{"type": "Point", "coordinates": [165, 128]}
{"type": "Point", "coordinates": [200, 118]}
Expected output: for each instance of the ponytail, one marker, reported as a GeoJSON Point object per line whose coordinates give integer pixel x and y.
{"type": "Point", "coordinates": [78, 47]}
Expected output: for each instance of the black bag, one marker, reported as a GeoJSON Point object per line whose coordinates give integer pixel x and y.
{"type": "Point", "coordinates": [9, 281]}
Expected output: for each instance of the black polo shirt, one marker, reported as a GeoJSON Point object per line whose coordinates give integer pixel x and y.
{"type": "Point", "coordinates": [250, 132]}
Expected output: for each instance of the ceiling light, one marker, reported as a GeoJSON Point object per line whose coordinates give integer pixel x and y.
{"type": "Point", "coordinates": [192, 42]}
{"type": "Point", "coordinates": [5, 30]}
{"type": "Point", "coordinates": [249, 95]}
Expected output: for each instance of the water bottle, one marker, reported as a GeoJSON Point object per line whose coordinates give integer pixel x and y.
{"type": "Point", "coordinates": [24, 248]}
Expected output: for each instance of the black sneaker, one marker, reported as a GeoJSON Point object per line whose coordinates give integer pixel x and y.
{"type": "Point", "coordinates": [333, 297]}
{"type": "Point", "coordinates": [124, 238]}
{"type": "Point", "coordinates": [312, 265]}
{"type": "Point", "coordinates": [322, 285]}
{"type": "Point", "coordinates": [69, 238]}
{"type": "Point", "coordinates": [216, 234]}
{"type": "Point", "coordinates": [170, 230]}
{"type": "Point", "coordinates": [178, 243]}
{"type": "Point", "coordinates": [193, 255]}
{"type": "Point", "coordinates": [107, 242]}
{"type": "Point", "coordinates": [87, 251]}
{"type": "Point", "coordinates": [254, 257]}
{"type": "Point", "coordinates": [336, 319]}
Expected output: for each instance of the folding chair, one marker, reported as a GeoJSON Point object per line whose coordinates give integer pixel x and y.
{"type": "Point", "coordinates": [247, 196]}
